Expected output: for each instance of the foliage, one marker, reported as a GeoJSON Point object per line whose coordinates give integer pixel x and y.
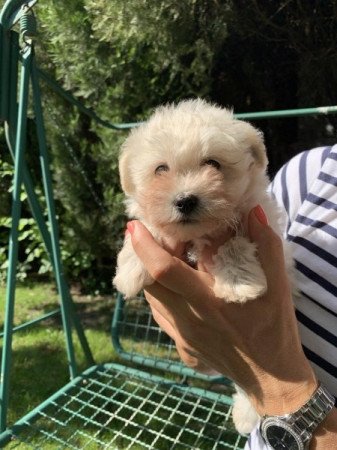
{"type": "Point", "coordinates": [33, 256]}
{"type": "Point", "coordinates": [139, 52]}
{"type": "Point", "coordinates": [33, 252]}
{"type": "Point", "coordinates": [6, 174]}
{"type": "Point", "coordinates": [124, 58]}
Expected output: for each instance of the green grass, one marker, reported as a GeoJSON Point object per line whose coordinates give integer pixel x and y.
{"type": "Point", "coordinates": [39, 363]}
{"type": "Point", "coordinates": [40, 368]}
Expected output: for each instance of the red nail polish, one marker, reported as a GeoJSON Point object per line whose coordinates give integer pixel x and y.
{"type": "Point", "coordinates": [260, 215]}
{"type": "Point", "coordinates": [130, 226]}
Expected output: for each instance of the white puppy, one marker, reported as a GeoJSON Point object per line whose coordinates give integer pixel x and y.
{"type": "Point", "coordinates": [191, 173]}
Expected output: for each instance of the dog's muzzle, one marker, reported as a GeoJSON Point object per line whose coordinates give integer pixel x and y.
{"type": "Point", "coordinates": [186, 204]}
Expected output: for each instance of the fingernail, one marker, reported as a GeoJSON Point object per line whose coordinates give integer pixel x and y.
{"type": "Point", "coordinates": [260, 215]}
{"type": "Point", "coordinates": [130, 226]}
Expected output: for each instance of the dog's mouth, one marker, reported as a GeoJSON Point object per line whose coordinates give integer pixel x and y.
{"type": "Point", "coordinates": [187, 221]}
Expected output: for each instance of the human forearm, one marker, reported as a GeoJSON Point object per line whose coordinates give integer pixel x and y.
{"type": "Point", "coordinates": [284, 387]}
{"type": "Point", "coordinates": [282, 397]}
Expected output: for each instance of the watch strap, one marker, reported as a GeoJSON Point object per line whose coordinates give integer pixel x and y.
{"type": "Point", "coordinates": [313, 412]}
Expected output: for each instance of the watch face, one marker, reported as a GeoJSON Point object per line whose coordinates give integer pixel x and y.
{"type": "Point", "coordinates": [281, 439]}
{"type": "Point", "coordinates": [280, 436]}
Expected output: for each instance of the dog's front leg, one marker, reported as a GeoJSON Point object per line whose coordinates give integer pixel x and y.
{"type": "Point", "coordinates": [131, 275]}
{"type": "Point", "coordinates": [245, 417]}
{"type": "Point", "coordinates": [237, 272]}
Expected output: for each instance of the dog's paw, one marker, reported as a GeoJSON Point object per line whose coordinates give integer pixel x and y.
{"type": "Point", "coordinates": [238, 292]}
{"type": "Point", "coordinates": [122, 282]}
{"type": "Point", "coordinates": [131, 275]}
{"type": "Point", "coordinates": [245, 417]}
{"type": "Point", "coordinates": [238, 275]}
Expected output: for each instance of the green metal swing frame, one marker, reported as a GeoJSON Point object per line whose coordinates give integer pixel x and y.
{"type": "Point", "coordinates": [110, 405]}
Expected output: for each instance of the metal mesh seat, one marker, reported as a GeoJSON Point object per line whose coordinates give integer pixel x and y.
{"type": "Point", "coordinates": [137, 338]}
{"type": "Point", "coordinates": [117, 407]}
{"type": "Point", "coordinates": [153, 402]}
{"type": "Point", "coordinates": [198, 400]}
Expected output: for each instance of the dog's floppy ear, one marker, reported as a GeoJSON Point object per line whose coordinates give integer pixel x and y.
{"type": "Point", "coordinates": [124, 173]}
{"type": "Point", "coordinates": [252, 139]}
{"type": "Point", "coordinates": [258, 149]}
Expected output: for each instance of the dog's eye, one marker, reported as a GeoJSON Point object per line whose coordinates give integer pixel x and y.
{"type": "Point", "coordinates": [213, 163]}
{"type": "Point", "coordinates": [162, 168]}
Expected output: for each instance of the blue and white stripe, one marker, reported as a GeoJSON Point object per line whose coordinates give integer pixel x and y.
{"type": "Point", "coordinates": [308, 183]}
{"type": "Point", "coordinates": [306, 189]}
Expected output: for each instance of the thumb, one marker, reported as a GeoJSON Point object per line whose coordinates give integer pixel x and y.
{"type": "Point", "coordinates": [167, 270]}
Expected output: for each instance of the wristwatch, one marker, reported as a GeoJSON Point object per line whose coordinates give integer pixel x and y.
{"type": "Point", "coordinates": [294, 431]}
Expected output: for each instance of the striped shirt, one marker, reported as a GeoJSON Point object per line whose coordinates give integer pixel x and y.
{"type": "Point", "coordinates": [306, 189]}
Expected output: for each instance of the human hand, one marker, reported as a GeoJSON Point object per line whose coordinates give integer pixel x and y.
{"type": "Point", "coordinates": [256, 344]}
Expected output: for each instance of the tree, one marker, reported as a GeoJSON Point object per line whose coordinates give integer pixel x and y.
{"type": "Point", "coordinates": [121, 59]}
{"type": "Point", "coordinates": [124, 58]}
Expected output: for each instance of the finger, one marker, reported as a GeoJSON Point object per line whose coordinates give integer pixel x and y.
{"type": "Point", "coordinates": [164, 268]}
{"type": "Point", "coordinates": [174, 247]}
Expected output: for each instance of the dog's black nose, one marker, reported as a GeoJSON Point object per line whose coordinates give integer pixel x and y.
{"type": "Point", "coordinates": [186, 204]}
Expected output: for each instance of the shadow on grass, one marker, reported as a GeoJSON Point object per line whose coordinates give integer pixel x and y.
{"type": "Point", "coordinates": [95, 313]}
{"type": "Point", "coordinates": [38, 369]}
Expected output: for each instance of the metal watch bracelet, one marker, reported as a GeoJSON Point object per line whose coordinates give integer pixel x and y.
{"type": "Point", "coordinates": [301, 423]}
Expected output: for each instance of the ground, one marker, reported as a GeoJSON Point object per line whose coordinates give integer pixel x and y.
{"type": "Point", "coordinates": [39, 358]}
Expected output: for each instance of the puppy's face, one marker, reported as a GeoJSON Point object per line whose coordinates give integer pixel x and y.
{"type": "Point", "coordinates": [190, 169]}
